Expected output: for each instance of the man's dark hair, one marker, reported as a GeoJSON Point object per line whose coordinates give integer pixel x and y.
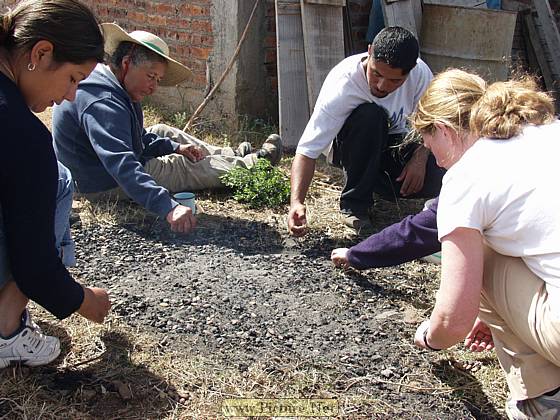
{"type": "Point", "coordinates": [397, 47]}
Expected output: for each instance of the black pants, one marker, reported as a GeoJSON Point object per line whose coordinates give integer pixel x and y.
{"type": "Point", "coordinates": [363, 149]}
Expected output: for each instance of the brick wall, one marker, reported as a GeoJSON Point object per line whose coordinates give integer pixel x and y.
{"type": "Point", "coordinates": [270, 52]}
{"type": "Point", "coordinates": [359, 18]}
{"type": "Point", "coordinates": [186, 26]}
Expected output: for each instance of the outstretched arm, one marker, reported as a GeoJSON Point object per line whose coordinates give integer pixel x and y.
{"type": "Point", "coordinates": [413, 237]}
{"type": "Point", "coordinates": [303, 169]}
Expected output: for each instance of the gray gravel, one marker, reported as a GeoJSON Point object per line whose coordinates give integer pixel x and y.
{"type": "Point", "coordinates": [241, 292]}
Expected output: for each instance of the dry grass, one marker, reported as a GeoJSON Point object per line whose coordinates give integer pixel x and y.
{"type": "Point", "coordinates": [116, 372]}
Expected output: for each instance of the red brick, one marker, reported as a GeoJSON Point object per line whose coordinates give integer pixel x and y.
{"type": "Point", "coordinates": [270, 41]}
{"type": "Point", "coordinates": [270, 56]}
{"type": "Point", "coordinates": [165, 9]}
{"type": "Point", "coordinates": [202, 53]}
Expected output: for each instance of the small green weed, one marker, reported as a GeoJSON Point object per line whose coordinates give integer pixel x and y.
{"type": "Point", "coordinates": [262, 185]}
{"type": "Point", "coordinates": [179, 119]}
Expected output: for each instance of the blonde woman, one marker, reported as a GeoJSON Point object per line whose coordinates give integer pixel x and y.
{"type": "Point", "coordinates": [499, 225]}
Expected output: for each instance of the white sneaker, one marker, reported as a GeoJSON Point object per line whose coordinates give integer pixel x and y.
{"type": "Point", "coordinates": [30, 347]}
{"type": "Point", "coordinates": [26, 319]}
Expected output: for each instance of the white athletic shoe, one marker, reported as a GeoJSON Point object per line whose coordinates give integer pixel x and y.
{"type": "Point", "coordinates": [30, 347]}
{"type": "Point", "coordinates": [26, 319]}
{"type": "Point", "coordinates": [435, 258]}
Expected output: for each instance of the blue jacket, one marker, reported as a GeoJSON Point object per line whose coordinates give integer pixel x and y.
{"type": "Point", "coordinates": [101, 138]}
{"type": "Point", "coordinates": [413, 237]}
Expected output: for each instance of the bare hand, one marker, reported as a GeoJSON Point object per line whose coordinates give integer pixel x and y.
{"type": "Point", "coordinates": [191, 151]}
{"type": "Point", "coordinates": [297, 221]}
{"type": "Point", "coordinates": [480, 337]}
{"type": "Point", "coordinates": [96, 304]}
{"type": "Point", "coordinates": [339, 257]}
{"type": "Point", "coordinates": [414, 173]}
{"type": "Point", "coordinates": [181, 219]}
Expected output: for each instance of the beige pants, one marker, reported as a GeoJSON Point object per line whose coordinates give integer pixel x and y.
{"type": "Point", "coordinates": [525, 328]}
{"type": "Point", "coordinates": [177, 173]}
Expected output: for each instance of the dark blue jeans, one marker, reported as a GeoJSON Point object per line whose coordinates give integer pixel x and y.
{"type": "Point", "coordinates": [371, 163]}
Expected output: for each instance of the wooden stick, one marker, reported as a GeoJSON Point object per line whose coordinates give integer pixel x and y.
{"type": "Point", "coordinates": [226, 71]}
{"type": "Point", "coordinates": [534, 43]}
{"type": "Point", "coordinates": [551, 34]}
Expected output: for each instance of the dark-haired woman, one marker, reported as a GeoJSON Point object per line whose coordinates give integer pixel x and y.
{"type": "Point", "coordinates": [46, 48]}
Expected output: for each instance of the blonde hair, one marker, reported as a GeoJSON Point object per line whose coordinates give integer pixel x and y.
{"type": "Point", "coordinates": [463, 102]}
{"type": "Point", "coordinates": [507, 107]}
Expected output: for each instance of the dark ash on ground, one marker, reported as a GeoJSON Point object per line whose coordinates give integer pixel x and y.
{"type": "Point", "coordinates": [240, 293]}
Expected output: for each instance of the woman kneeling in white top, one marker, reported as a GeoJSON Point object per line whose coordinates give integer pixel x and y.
{"type": "Point", "coordinates": [499, 225]}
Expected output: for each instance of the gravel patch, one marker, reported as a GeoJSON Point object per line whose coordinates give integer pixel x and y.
{"type": "Point", "coordinates": [242, 293]}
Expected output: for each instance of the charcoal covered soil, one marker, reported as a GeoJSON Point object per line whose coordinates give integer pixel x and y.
{"type": "Point", "coordinates": [238, 309]}
{"type": "Point", "coordinates": [242, 293]}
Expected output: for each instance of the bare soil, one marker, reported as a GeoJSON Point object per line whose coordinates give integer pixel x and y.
{"type": "Point", "coordinates": [239, 309]}
{"type": "Point", "coordinates": [241, 293]}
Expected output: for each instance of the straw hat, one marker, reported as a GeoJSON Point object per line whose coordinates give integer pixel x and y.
{"type": "Point", "coordinates": [114, 35]}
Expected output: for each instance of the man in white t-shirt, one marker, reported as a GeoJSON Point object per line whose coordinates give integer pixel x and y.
{"type": "Point", "coordinates": [361, 112]}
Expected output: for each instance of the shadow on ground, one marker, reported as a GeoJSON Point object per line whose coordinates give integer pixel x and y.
{"type": "Point", "coordinates": [246, 236]}
{"type": "Point", "coordinates": [468, 390]}
{"type": "Point", "coordinates": [108, 385]}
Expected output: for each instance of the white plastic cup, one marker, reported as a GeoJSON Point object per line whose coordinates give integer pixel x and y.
{"type": "Point", "coordinates": [186, 199]}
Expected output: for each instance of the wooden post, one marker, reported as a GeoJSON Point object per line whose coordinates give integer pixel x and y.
{"type": "Point", "coordinates": [550, 29]}
{"type": "Point", "coordinates": [534, 43]}
{"type": "Point", "coordinates": [405, 13]}
{"type": "Point", "coordinates": [323, 37]}
{"type": "Point", "coordinates": [536, 52]}
{"type": "Point", "coordinates": [293, 104]}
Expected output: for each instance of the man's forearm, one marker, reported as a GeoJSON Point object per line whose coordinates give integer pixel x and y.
{"type": "Point", "coordinates": [302, 172]}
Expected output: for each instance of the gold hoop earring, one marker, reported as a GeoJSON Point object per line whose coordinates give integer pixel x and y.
{"type": "Point", "coordinates": [31, 67]}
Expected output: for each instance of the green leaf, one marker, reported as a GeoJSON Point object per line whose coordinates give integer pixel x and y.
{"type": "Point", "coordinates": [262, 185]}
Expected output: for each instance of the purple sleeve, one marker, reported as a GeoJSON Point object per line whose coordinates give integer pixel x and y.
{"type": "Point", "coordinates": [413, 237]}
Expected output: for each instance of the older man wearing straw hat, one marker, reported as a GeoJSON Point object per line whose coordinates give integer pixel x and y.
{"type": "Point", "coordinates": [100, 136]}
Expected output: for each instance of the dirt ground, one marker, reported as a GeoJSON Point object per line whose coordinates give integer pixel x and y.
{"type": "Point", "coordinates": [241, 292]}
{"type": "Point", "coordinates": [239, 309]}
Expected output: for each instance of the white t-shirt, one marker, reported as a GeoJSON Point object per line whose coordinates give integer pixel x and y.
{"type": "Point", "coordinates": [344, 89]}
{"type": "Point", "coordinates": [508, 190]}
